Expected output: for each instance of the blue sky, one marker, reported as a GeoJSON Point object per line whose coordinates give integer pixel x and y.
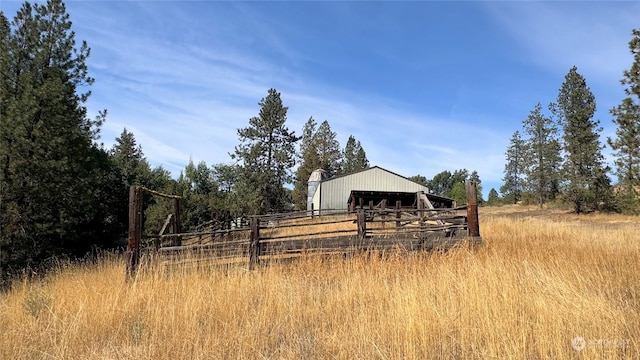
{"type": "Point", "coordinates": [426, 86]}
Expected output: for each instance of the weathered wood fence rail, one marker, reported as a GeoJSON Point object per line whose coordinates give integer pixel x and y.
{"type": "Point", "coordinates": [274, 236]}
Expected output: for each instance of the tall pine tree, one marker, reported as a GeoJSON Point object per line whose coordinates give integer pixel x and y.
{"type": "Point", "coordinates": [584, 167]}
{"type": "Point", "coordinates": [494, 198]}
{"type": "Point", "coordinates": [542, 156]}
{"type": "Point", "coordinates": [328, 149]}
{"type": "Point", "coordinates": [354, 158]}
{"type": "Point", "coordinates": [309, 161]}
{"type": "Point", "coordinates": [514, 170]}
{"type": "Point", "coordinates": [128, 156]}
{"type": "Point", "coordinates": [627, 140]}
{"type": "Point", "coordinates": [57, 186]}
{"type": "Point", "coordinates": [266, 154]}
{"type": "Point", "coordinates": [319, 149]}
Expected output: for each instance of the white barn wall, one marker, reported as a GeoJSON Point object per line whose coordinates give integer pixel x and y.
{"type": "Point", "coordinates": [334, 193]}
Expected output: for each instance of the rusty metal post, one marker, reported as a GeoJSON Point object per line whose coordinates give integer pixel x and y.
{"type": "Point", "coordinates": [135, 231]}
{"type": "Point", "coordinates": [473, 226]}
{"type": "Point", "coordinates": [254, 243]}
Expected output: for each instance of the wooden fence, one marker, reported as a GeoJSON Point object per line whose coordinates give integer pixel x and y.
{"type": "Point", "coordinates": [276, 236]}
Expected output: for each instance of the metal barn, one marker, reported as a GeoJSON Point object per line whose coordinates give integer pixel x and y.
{"type": "Point", "coordinates": [336, 193]}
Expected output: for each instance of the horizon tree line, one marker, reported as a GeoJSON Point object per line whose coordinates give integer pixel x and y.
{"type": "Point", "coordinates": [560, 156]}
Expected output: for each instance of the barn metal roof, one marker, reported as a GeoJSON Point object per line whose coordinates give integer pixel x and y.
{"type": "Point", "coordinates": [369, 169]}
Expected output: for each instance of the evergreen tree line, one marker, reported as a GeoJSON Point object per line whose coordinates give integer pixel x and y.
{"type": "Point", "coordinates": [451, 185]}
{"type": "Point", "coordinates": [557, 157]}
{"type": "Point", "coordinates": [63, 194]}
{"type": "Point", "coordinates": [258, 179]}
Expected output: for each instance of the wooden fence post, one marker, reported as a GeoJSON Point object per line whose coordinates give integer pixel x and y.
{"type": "Point", "coordinates": [398, 215]}
{"type": "Point", "coordinates": [383, 207]}
{"type": "Point", "coordinates": [362, 225]}
{"type": "Point", "coordinates": [473, 226]}
{"type": "Point", "coordinates": [175, 203]}
{"type": "Point", "coordinates": [135, 231]}
{"type": "Point", "coordinates": [254, 243]}
{"type": "Point", "coordinates": [420, 207]}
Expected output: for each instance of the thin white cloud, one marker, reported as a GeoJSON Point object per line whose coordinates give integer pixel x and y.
{"type": "Point", "coordinates": [558, 35]}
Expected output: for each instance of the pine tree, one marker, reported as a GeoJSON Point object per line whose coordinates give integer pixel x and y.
{"type": "Point", "coordinates": [441, 184]}
{"type": "Point", "coordinates": [328, 149]}
{"type": "Point", "coordinates": [494, 198]}
{"type": "Point", "coordinates": [349, 152]}
{"type": "Point", "coordinates": [542, 154]}
{"type": "Point", "coordinates": [514, 170]}
{"type": "Point", "coordinates": [583, 162]}
{"type": "Point", "coordinates": [266, 155]}
{"type": "Point", "coordinates": [226, 203]}
{"type": "Point", "coordinates": [134, 169]}
{"type": "Point", "coordinates": [627, 140]}
{"type": "Point", "coordinates": [348, 156]}
{"type": "Point", "coordinates": [309, 161]}
{"type": "Point", "coordinates": [319, 149]}
{"type": "Point", "coordinates": [308, 134]}
{"type": "Point", "coordinates": [128, 156]}
{"type": "Point", "coordinates": [420, 179]}
{"type": "Point", "coordinates": [361, 158]}
{"type": "Point", "coordinates": [457, 183]}
{"type": "Point", "coordinates": [57, 185]}
{"type": "Point", "coordinates": [199, 195]}
{"type": "Point", "coordinates": [5, 60]}
{"type": "Point", "coordinates": [446, 183]}
{"type": "Point", "coordinates": [354, 158]}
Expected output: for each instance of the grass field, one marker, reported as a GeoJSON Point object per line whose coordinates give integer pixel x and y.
{"type": "Point", "coordinates": [540, 280]}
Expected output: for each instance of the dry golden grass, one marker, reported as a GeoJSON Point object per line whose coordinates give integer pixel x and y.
{"type": "Point", "coordinates": [540, 280]}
